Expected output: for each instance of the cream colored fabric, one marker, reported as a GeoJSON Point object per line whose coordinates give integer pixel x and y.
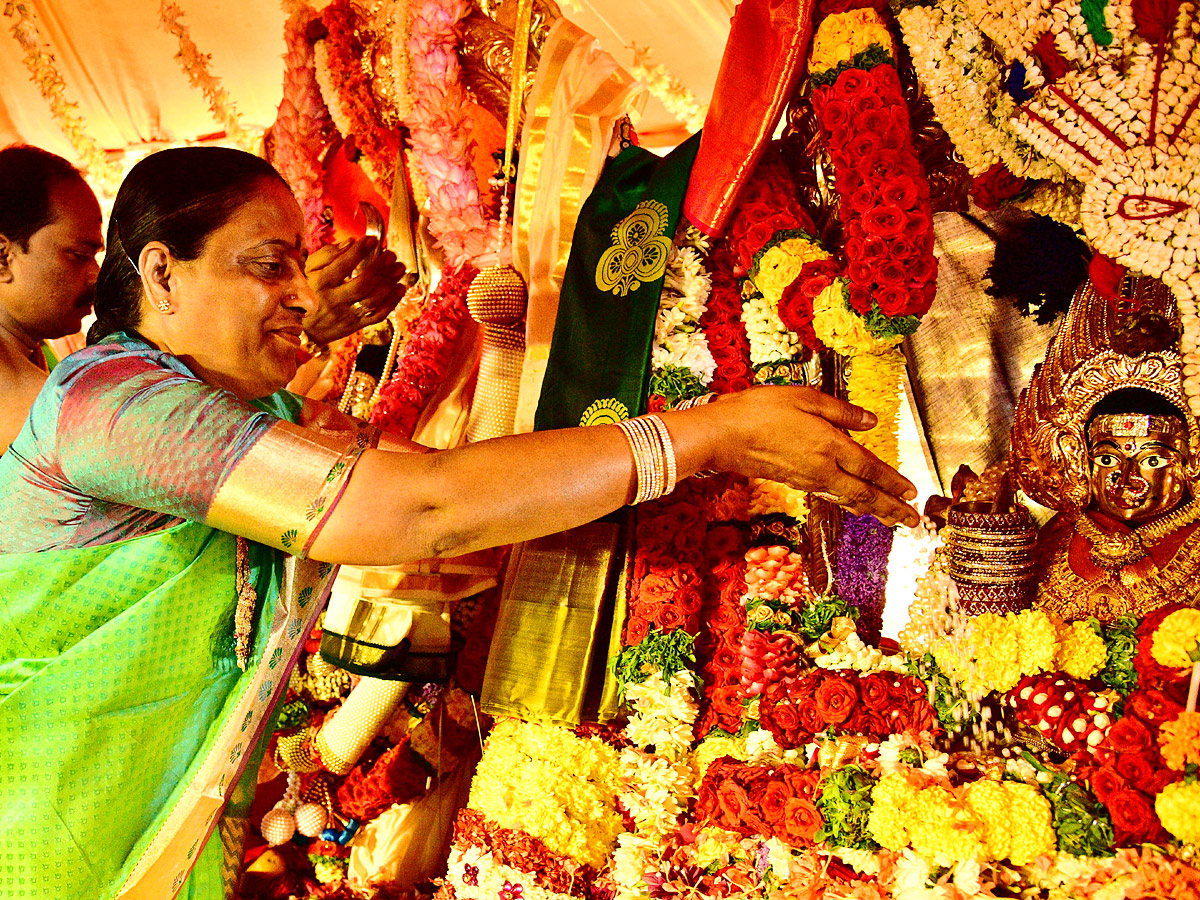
{"type": "Point", "coordinates": [578, 96]}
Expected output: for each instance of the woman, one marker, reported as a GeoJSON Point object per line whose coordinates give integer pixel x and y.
{"type": "Point", "coordinates": [169, 504]}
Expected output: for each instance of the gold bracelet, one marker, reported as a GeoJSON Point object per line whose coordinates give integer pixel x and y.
{"type": "Point", "coordinates": [653, 456]}
{"type": "Point", "coordinates": [696, 401]}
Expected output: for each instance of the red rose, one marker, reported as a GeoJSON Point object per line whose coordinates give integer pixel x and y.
{"type": "Point", "coordinates": [874, 120]}
{"type": "Point", "coordinates": [901, 190]}
{"type": "Point", "coordinates": [772, 803]}
{"type": "Point", "coordinates": [893, 300]}
{"type": "Point", "coordinates": [862, 199]}
{"type": "Point", "coordinates": [993, 187]}
{"type": "Point", "coordinates": [891, 273]}
{"type": "Point", "coordinates": [836, 699]}
{"type": "Point", "coordinates": [727, 699]}
{"type": "Point", "coordinates": [874, 248]}
{"type": "Point", "coordinates": [863, 104]}
{"type": "Point", "coordinates": [918, 225]}
{"type": "Point", "coordinates": [860, 272]}
{"type": "Point", "coordinates": [636, 630]}
{"type": "Point", "coordinates": [1137, 768]}
{"type": "Point", "coordinates": [887, 220]}
{"type": "Point", "coordinates": [861, 299]}
{"type": "Point", "coordinates": [1129, 735]}
{"type": "Point", "coordinates": [875, 723]}
{"type": "Point", "coordinates": [795, 308]}
{"type": "Point", "coordinates": [923, 269]}
{"type": "Point", "coordinates": [669, 617]}
{"type": "Point", "coordinates": [688, 600]}
{"type": "Point", "coordinates": [1133, 816]}
{"type": "Point", "coordinates": [875, 690]}
{"type": "Point", "coordinates": [849, 182]}
{"type": "Point", "coordinates": [781, 719]}
{"type": "Point", "coordinates": [864, 144]}
{"type": "Point", "coordinates": [800, 821]}
{"type": "Point", "coordinates": [851, 83]}
{"type": "Point", "coordinates": [727, 617]}
{"type": "Point", "coordinates": [835, 114]}
{"type": "Point", "coordinates": [902, 249]}
{"type": "Point", "coordinates": [1105, 781]}
{"type": "Point", "coordinates": [1153, 707]}
{"type": "Point", "coordinates": [811, 719]}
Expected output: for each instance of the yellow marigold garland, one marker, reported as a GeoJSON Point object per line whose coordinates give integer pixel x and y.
{"type": "Point", "coordinates": [1178, 807]}
{"type": "Point", "coordinates": [1081, 652]}
{"type": "Point", "coordinates": [45, 75]}
{"type": "Point", "coordinates": [843, 36]}
{"type": "Point", "coordinates": [874, 384]}
{"type": "Point", "coordinates": [1177, 639]}
{"type": "Point", "coordinates": [1016, 819]}
{"type": "Point", "coordinates": [546, 781]}
{"type": "Point", "coordinates": [995, 651]}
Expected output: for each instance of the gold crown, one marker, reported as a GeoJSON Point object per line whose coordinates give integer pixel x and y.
{"type": "Point", "coordinates": [1049, 447]}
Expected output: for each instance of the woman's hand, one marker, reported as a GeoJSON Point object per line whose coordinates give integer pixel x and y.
{"type": "Point", "coordinates": [399, 507]}
{"type": "Point", "coordinates": [344, 303]}
{"type": "Point", "coordinates": [796, 435]}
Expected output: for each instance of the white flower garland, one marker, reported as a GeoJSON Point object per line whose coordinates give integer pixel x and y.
{"type": "Point", "coordinates": [663, 713]}
{"type": "Point", "coordinates": [963, 79]}
{"type": "Point", "coordinates": [678, 337]}
{"type": "Point", "coordinates": [770, 341]}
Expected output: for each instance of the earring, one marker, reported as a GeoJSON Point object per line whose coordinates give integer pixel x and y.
{"type": "Point", "coordinates": [163, 305]}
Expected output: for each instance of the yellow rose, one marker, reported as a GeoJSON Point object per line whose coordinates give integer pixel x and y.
{"type": "Point", "coordinates": [779, 266]}
{"type": "Point", "coordinates": [843, 36]}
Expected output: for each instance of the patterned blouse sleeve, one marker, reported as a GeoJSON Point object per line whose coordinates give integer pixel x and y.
{"type": "Point", "coordinates": [135, 430]}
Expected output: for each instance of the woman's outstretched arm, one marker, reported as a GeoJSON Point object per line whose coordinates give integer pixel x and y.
{"type": "Point", "coordinates": [399, 507]}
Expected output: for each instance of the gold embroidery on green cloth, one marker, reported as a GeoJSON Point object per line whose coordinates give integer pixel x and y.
{"type": "Point", "coordinates": [639, 251]}
{"type": "Point", "coordinates": [608, 411]}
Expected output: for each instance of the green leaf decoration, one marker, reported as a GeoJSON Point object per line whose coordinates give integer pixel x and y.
{"type": "Point", "coordinates": [867, 59]}
{"type": "Point", "coordinates": [1080, 820]}
{"type": "Point", "coordinates": [293, 715]}
{"type": "Point", "coordinates": [845, 804]}
{"type": "Point", "coordinates": [954, 710]}
{"type": "Point", "coordinates": [1120, 637]}
{"type": "Point", "coordinates": [817, 616]}
{"type": "Point", "coordinates": [671, 652]}
{"type": "Point", "coordinates": [675, 383]}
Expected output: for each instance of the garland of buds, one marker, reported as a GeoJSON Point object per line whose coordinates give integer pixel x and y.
{"type": "Point", "coordinates": [43, 71]}
{"type": "Point", "coordinates": [195, 66]}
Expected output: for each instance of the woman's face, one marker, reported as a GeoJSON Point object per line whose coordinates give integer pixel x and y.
{"type": "Point", "coordinates": [235, 311]}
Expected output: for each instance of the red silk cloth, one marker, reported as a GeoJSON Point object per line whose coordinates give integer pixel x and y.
{"type": "Point", "coordinates": [767, 48]}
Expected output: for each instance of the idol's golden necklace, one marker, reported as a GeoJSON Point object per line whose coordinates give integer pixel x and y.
{"type": "Point", "coordinates": [1114, 551]}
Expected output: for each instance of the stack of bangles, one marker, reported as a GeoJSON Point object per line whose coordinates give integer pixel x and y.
{"type": "Point", "coordinates": [653, 452]}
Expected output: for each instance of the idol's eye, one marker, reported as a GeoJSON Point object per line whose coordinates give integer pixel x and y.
{"type": "Point", "coordinates": [1156, 462]}
{"type": "Point", "coordinates": [1106, 461]}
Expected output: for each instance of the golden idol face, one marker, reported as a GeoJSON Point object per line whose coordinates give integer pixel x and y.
{"type": "Point", "coordinates": [1137, 478]}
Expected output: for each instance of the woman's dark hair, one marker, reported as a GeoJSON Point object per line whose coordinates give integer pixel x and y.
{"type": "Point", "coordinates": [179, 197]}
{"type": "Point", "coordinates": [28, 177]}
{"type": "Point", "coordinates": [1136, 401]}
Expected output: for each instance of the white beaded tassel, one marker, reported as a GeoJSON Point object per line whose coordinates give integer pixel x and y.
{"type": "Point", "coordinates": [345, 735]}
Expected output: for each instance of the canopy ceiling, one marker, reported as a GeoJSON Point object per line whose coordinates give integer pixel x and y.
{"type": "Point", "coordinates": [118, 63]}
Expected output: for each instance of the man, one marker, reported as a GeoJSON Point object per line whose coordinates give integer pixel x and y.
{"type": "Point", "coordinates": [49, 237]}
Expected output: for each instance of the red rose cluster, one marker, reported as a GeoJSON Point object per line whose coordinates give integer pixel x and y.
{"type": "Point", "coordinates": [718, 646]}
{"type": "Point", "coordinates": [760, 800]}
{"type": "Point", "coordinates": [796, 304]}
{"type": "Point", "coordinates": [1064, 711]}
{"type": "Point", "coordinates": [722, 325]}
{"type": "Point", "coordinates": [422, 368]}
{"type": "Point", "coordinates": [885, 207]}
{"type": "Point", "coordinates": [665, 589]}
{"type": "Point", "coordinates": [841, 700]}
{"type": "Point", "coordinates": [768, 205]}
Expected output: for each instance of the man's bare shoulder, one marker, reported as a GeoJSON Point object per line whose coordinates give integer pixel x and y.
{"type": "Point", "coordinates": [20, 382]}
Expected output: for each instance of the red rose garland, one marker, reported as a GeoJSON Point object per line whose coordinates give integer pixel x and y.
{"type": "Point", "coordinates": [757, 800]}
{"type": "Point", "coordinates": [841, 700]}
{"type": "Point", "coordinates": [885, 206]}
{"type": "Point", "coordinates": [426, 355]}
{"type": "Point", "coordinates": [722, 323]}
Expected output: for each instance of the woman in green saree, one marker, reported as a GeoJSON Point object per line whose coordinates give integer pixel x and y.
{"type": "Point", "coordinates": [174, 518]}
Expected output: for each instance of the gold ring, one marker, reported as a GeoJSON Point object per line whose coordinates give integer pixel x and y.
{"type": "Point", "coordinates": [360, 309]}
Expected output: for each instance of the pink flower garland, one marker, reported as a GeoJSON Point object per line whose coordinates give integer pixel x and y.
{"type": "Point", "coordinates": [303, 128]}
{"type": "Point", "coordinates": [440, 131]}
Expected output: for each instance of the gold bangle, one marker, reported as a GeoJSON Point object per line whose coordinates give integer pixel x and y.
{"type": "Point", "coordinates": [667, 449]}
{"type": "Point", "coordinates": [653, 456]}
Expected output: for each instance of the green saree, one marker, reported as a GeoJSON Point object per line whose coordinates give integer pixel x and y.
{"type": "Point", "coordinates": [130, 734]}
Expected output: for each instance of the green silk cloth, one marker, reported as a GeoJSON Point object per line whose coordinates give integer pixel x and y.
{"type": "Point", "coordinates": [599, 365]}
{"type": "Point", "coordinates": [563, 601]}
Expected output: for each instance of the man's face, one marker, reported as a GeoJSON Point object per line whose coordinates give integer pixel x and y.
{"type": "Point", "coordinates": [50, 284]}
{"type": "Point", "coordinates": [1138, 478]}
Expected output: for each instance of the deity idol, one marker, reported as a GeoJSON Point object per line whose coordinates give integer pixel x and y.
{"type": "Point", "coordinates": [1102, 435]}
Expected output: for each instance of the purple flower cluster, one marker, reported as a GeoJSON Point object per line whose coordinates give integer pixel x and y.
{"type": "Point", "coordinates": [860, 576]}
